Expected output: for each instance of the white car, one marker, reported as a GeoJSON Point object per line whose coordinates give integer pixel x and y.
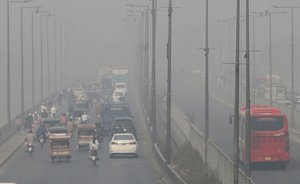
{"type": "Point", "coordinates": [117, 95]}
{"type": "Point", "coordinates": [121, 86]}
{"type": "Point", "coordinates": [123, 144]}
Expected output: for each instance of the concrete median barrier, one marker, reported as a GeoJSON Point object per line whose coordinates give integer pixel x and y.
{"type": "Point", "coordinates": [184, 131]}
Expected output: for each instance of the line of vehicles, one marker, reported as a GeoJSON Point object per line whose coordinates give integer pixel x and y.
{"type": "Point", "coordinates": [114, 121]}
{"type": "Point", "coordinates": [116, 118]}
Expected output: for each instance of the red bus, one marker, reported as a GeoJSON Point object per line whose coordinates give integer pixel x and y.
{"type": "Point", "coordinates": [269, 135]}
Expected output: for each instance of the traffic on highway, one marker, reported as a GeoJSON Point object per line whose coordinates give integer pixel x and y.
{"type": "Point", "coordinates": [149, 92]}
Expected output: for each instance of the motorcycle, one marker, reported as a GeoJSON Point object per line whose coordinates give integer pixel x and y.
{"type": "Point", "coordinates": [94, 156]}
{"type": "Point", "coordinates": [30, 149]}
{"type": "Point", "coordinates": [42, 140]}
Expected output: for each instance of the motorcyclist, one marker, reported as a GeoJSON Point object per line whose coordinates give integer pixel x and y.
{"type": "Point", "coordinates": [84, 118]}
{"type": "Point", "coordinates": [43, 107]}
{"type": "Point", "coordinates": [70, 126]}
{"type": "Point", "coordinates": [41, 132]}
{"type": "Point", "coordinates": [94, 147]}
{"type": "Point", "coordinates": [35, 116]}
{"type": "Point", "coordinates": [53, 111]}
{"type": "Point", "coordinates": [29, 139]}
{"type": "Point", "coordinates": [63, 119]}
{"type": "Point", "coordinates": [71, 109]}
{"type": "Point", "coordinates": [44, 114]}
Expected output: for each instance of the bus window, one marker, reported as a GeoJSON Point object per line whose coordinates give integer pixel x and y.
{"type": "Point", "coordinates": [266, 123]}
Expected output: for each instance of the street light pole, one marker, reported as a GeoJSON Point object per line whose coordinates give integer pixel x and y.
{"type": "Point", "coordinates": [8, 61]}
{"type": "Point", "coordinates": [8, 68]}
{"type": "Point", "coordinates": [236, 105]}
{"type": "Point", "coordinates": [206, 50]}
{"type": "Point", "coordinates": [292, 62]}
{"type": "Point", "coordinates": [32, 55]}
{"type": "Point", "coordinates": [22, 65]}
{"type": "Point", "coordinates": [55, 57]}
{"type": "Point", "coordinates": [254, 62]}
{"type": "Point", "coordinates": [32, 63]}
{"type": "Point", "coordinates": [42, 56]}
{"type": "Point", "coordinates": [169, 56]}
{"type": "Point", "coordinates": [153, 78]}
{"type": "Point", "coordinates": [247, 155]}
{"type": "Point", "coordinates": [270, 57]}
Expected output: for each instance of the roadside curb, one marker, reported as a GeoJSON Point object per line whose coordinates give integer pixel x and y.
{"type": "Point", "coordinates": [164, 173]}
{"type": "Point", "coordinates": [7, 157]}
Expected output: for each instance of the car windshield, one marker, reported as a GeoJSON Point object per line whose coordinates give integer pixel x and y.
{"type": "Point", "coordinates": [128, 124]}
{"type": "Point", "coordinates": [123, 137]}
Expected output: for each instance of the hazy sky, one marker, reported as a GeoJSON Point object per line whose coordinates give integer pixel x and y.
{"type": "Point", "coordinates": [105, 38]}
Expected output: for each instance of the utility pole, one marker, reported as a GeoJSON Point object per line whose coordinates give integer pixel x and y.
{"type": "Point", "coordinates": [206, 50]}
{"type": "Point", "coordinates": [32, 62]}
{"type": "Point", "coordinates": [22, 66]}
{"type": "Point", "coordinates": [169, 57]}
{"type": "Point", "coordinates": [32, 55]}
{"type": "Point", "coordinates": [292, 62]}
{"type": "Point", "coordinates": [270, 57]}
{"type": "Point", "coordinates": [153, 80]}
{"type": "Point", "coordinates": [42, 55]}
{"type": "Point", "coordinates": [236, 105]}
{"type": "Point", "coordinates": [48, 58]}
{"type": "Point", "coordinates": [8, 68]}
{"type": "Point", "coordinates": [247, 155]}
{"type": "Point", "coordinates": [147, 63]}
{"type": "Point", "coordinates": [254, 62]}
{"type": "Point", "coordinates": [55, 56]}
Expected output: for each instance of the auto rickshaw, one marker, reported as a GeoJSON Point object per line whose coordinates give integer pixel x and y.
{"type": "Point", "coordinates": [85, 134]}
{"type": "Point", "coordinates": [60, 147]}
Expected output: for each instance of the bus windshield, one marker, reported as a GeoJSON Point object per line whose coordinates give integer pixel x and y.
{"type": "Point", "coordinates": [266, 123]}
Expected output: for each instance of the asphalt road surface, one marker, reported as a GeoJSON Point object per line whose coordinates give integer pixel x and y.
{"type": "Point", "coordinates": [38, 169]}
{"type": "Point", "coordinates": [190, 98]}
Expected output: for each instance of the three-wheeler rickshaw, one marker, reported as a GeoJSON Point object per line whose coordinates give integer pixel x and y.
{"type": "Point", "coordinates": [60, 147]}
{"type": "Point", "coordinates": [85, 135]}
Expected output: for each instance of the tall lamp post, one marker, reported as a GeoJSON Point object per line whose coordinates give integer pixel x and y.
{"type": "Point", "coordinates": [292, 62]}
{"type": "Point", "coordinates": [237, 94]}
{"type": "Point", "coordinates": [32, 54]}
{"type": "Point", "coordinates": [42, 54]}
{"type": "Point", "coordinates": [8, 61]}
{"type": "Point", "coordinates": [206, 50]}
{"type": "Point", "coordinates": [169, 57]}
{"type": "Point", "coordinates": [153, 77]}
{"type": "Point", "coordinates": [146, 69]}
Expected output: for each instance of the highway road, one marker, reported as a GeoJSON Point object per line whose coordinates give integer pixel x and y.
{"type": "Point", "coordinates": [190, 98]}
{"type": "Point", "coordinates": [38, 169]}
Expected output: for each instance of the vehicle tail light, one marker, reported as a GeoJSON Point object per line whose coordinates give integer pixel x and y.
{"type": "Point", "coordinates": [132, 142]}
{"type": "Point", "coordinates": [114, 143]}
{"type": "Point", "coordinates": [287, 142]}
